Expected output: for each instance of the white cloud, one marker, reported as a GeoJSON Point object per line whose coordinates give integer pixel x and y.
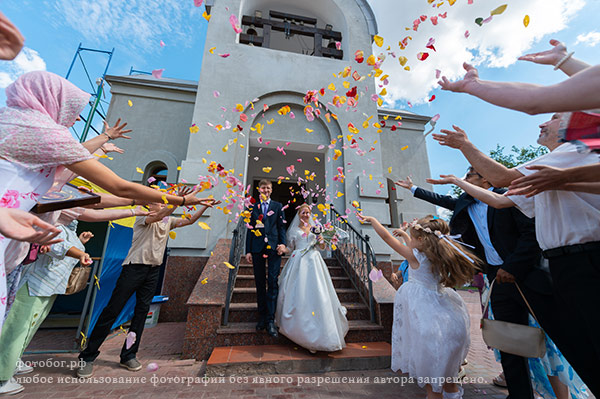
{"type": "Point", "coordinates": [590, 39]}
{"type": "Point", "coordinates": [28, 60]}
{"type": "Point", "coordinates": [140, 24]}
{"type": "Point", "coordinates": [495, 44]}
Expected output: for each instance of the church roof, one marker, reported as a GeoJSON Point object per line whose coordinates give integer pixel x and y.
{"type": "Point", "coordinates": [150, 81]}
{"type": "Point", "coordinates": [369, 16]}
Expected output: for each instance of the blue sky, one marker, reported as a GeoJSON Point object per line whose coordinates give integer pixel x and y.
{"type": "Point", "coordinates": [54, 29]}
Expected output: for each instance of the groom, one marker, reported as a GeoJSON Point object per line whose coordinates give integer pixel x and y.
{"type": "Point", "coordinates": [267, 219]}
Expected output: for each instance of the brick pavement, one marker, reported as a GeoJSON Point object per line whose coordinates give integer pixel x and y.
{"type": "Point", "coordinates": [162, 345]}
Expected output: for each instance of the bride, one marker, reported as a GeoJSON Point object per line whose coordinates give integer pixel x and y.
{"type": "Point", "coordinates": [308, 310]}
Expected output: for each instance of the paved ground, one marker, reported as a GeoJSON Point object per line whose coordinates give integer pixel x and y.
{"type": "Point", "coordinates": [182, 378]}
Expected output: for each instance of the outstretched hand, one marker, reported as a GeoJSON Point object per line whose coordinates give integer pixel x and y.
{"type": "Point", "coordinates": [11, 40]}
{"type": "Point", "coordinates": [547, 178]}
{"type": "Point", "coordinates": [456, 138]}
{"type": "Point", "coordinates": [110, 147]}
{"type": "Point", "coordinates": [460, 86]}
{"type": "Point", "coordinates": [23, 226]}
{"type": "Point", "coordinates": [116, 131]}
{"type": "Point", "coordinates": [407, 183]}
{"type": "Point", "coordinates": [85, 237]}
{"type": "Point", "coordinates": [445, 179]}
{"type": "Point", "coordinates": [548, 57]}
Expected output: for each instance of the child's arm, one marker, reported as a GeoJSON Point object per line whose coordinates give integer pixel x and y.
{"type": "Point", "coordinates": [396, 245]}
{"type": "Point", "coordinates": [194, 218]}
{"type": "Point", "coordinates": [77, 253]}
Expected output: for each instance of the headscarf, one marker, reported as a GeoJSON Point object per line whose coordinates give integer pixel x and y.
{"type": "Point", "coordinates": [34, 127]}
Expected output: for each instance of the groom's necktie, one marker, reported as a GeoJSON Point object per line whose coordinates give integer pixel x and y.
{"type": "Point", "coordinates": [265, 204]}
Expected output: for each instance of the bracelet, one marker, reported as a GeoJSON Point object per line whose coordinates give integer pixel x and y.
{"type": "Point", "coordinates": [106, 134]}
{"type": "Point", "coordinates": [183, 201]}
{"type": "Point", "coordinates": [563, 60]}
{"type": "Point", "coordinates": [132, 202]}
{"type": "Point", "coordinates": [132, 212]}
{"type": "Point", "coordinates": [103, 150]}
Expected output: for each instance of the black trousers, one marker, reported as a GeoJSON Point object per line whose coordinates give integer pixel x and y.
{"type": "Point", "coordinates": [576, 285]}
{"type": "Point", "coordinates": [507, 305]}
{"type": "Point", "coordinates": [266, 298]}
{"type": "Point", "coordinates": [135, 279]}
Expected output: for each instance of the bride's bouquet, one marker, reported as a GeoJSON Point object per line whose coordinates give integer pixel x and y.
{"type": "Point", "coordinates": [329, 234]}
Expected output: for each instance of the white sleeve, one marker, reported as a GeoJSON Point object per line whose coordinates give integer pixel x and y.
{"type": "Point", "coordinates": [525, 205]}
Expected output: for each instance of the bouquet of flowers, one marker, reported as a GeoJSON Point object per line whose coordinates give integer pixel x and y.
{"type": "Point", "coordinates": [329, 234]}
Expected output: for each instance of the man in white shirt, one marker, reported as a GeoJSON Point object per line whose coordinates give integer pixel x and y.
{"type": "Point", "coordinates": [568, 231]}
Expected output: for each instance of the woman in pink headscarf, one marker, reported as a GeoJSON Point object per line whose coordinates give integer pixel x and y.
{"type": "Point", "coordinates": [35, 140]}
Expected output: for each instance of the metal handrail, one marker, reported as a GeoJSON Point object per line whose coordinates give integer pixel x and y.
{"type": "Point", "coordinates": [238, 242]}
{"type": "Point", "coordinates": [358, 255]}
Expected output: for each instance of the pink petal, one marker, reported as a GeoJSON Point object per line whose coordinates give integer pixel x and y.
{"type": "Point", "coordinates": [235, 24]}
{"type": "Point", "coordinates": [435, 118]}
{"type": "Point", "coordinates": [198, 3]}
{"type": "Point", "coordinates": [467, 34]}
{"type": "Point", "coordinates": [130, 340]}
{"type": "Point", "coordinates": [162, 44]}
{"type": "Point", "coordinates": [217, 94]}
{"type": "Point", "coordinates": [437, 73]}
{"type": "Point", "coordinates": [224, 55]}
{"type": "Point", "coordinates": [157, 73]}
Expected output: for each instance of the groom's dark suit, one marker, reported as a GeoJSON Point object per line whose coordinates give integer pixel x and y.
{"type": "Point", "coordinates": [274, 231]}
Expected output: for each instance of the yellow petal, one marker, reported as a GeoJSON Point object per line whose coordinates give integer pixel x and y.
{"type": "Point", "coordinates": [172, 234]}
{"type": "Point", "coordinates": [204, 226]}
{"type": "Point", "coordinates": [212, 50]}
{"type": "Point", "coordinates": [378, 40]}
{"type": "Point", "coordinates": [317, 159]}
{"type": "Point", "coordinates": [390, 169]}
{"type": "Point", "coordinates": [346, 84]}
{"type": "Point", "coordinates": [206, 279]}
{"type": "Point", "coordinates": [267, 169]}
{"type": "Point", "coordinates": [130, 103]}
{"type": "Point", "coordinates": [526, 21]}
{"type": "Point", "coordinates": [139, 170]}
{"type": "Point", "coordinates": [404, 148]}
{"type": "Point", "coordinates": [309, 130]}
{"type": "Point", "coordinates": [229, 265]}
{"type": "Point", "coordinates": [499, 10]}
{"type": "Point", "coordinates": [340, 194]}
{"type": "Point", "coordinates": [331, 87]}
{"type": "Point", "coordinates": [206, 17]}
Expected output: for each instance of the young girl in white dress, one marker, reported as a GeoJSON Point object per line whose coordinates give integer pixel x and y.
{"type": "Point", "coordinates": [430, 334]}
{"type": "Point", "coordinates": [308, 310]}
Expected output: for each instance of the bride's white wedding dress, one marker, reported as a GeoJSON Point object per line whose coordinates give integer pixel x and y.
{"type": "Point", "coordinates": [308, 310]}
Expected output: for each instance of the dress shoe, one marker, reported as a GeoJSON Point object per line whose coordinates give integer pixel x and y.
{"type": "Point", "coordinates": [261, 325]}
{"type": "Point", "coordinates": [272, 330]}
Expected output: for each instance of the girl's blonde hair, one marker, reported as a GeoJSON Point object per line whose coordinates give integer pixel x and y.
{"type": "Point", "coordinates": [454, 268]}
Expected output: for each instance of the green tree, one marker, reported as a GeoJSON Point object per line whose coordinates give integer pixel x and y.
{"type": "Point", "coordinates": [516, 157]}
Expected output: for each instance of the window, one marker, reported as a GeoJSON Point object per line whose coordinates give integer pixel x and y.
{"type": "Point", "coordinates": [293, 33]}
{"type": "Point", "coordinates": [157, 175]}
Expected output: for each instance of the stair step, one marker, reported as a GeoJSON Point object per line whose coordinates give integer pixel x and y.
{"type": "Point", "coordinates": [250, 327]}
{"type": "Point", "coordinates": [244, 281]}
{"type": "Point", "coordinates": [334, 271]}
{"type": "Point", "coordinates": [291, 359]}
{"type": "Point", "coordinates": [284, 259]}
{"type": "Point", "coordinates": [248, 294]}
{"type": "Point", "coordinates": [244, 333]}
{"type": "Point", "coordinates": [248, 312]}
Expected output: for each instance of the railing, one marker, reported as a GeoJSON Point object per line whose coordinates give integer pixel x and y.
{"type": "Point", "coordinates": [357, 257]}
{"type": "Point", "coordinates": [238, 242]}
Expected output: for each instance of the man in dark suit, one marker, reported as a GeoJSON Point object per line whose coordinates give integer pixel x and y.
{"type": "Point", "coordinates": [266, 242]}
{"type": "Point", "coordinates": [505, 239]}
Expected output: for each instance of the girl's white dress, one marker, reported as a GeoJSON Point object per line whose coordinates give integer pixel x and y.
{"type": "Point", "coordinates": [308, 310]}
{"type": "Point", "coordinates": [430, 335]}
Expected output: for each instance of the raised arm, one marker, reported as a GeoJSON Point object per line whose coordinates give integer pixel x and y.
{"type": "Point", "coordinates": [194, 218]}
{"type": "Point", "coordinates": [445, 201]}
{"type": "Point", "coordinates": [579, 178]}
{"type": "Point", "coordinates": [109, 133]}
{"type": "Point", "coordinates": [388, 238]}
{"type": "Point", "coordinates": [557, 54]}
{"type": "Point", "coordinates": [494, 172]}
{"type": "Point", "coordinates": [23, 226]}
{"type": "Point", "coordinates": [105, 215]}
{"type": "Point", "coordinates": [491, 198]}
{"type": "Point", "coordinates": [579, 92]}
{"type": "Point", "coordinates": [99, 174]}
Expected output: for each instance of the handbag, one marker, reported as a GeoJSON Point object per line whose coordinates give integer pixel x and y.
{"type": "Point", "coordinates": [78, 279]}
{"type": "Point", "coordinates": [516, 339]}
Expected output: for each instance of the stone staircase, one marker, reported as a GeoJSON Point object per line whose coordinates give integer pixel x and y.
{"type": "Point", "coordinates": [243, 314]}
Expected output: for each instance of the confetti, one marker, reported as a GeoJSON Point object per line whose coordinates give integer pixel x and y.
{"type": "Point", "coordinates": [404, 148]}
{"type": "Point", "coordinates": [467, 34]}
{"type": "Point", "coordinates": [198, 3]}
{"type": "Point", "coordinates": [235, 24]}
{"type": "Point", "coordinates": [204, 281]}
{"type": "Point", "coordinates": [194, 128]}
{"type": "Point", "coordinates": [224, 55]}
{"type": "Point", "coordinates": [157, 73]}
{"type": "Point", "coordinates": [359, 56]}
{"type": "Point", "coordinates": [129, 103]}
{"type": "Point", "coordinates": [229, 265]}
{"type": "Point", "coordinates": [499, 10]}
{"type": "Point", "coordinates": [130, 340]}
{"type": "Point", "coordinates": [203, 226]}
{"type": "Point", "coordinates": [526, 21]}
{"type": "Point", "coordinates": [206, 16]}
{"type": "Point", "coordinates": [267, 169]}
{"type": "Point", "coordinates": [375, 275]}
{"type": "Point", "coordinates": [139, 170]}
{"type": "Point", "coordinates": [162, 44]}
{"type": "Point", "coordinates": [152, 367]}
{"type": "Point", "coordinates": [378, 40]}
{"type": "Point", "coordinates": [172, 235]}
